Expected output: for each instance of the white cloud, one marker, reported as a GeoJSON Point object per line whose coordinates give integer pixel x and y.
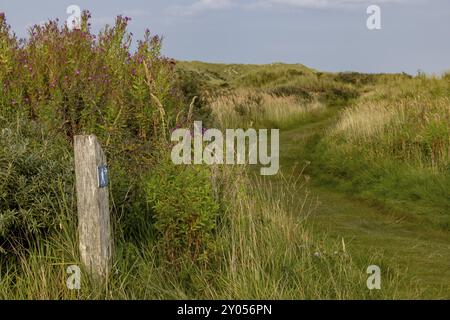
{"type": "Point", "coordinates": [323, 3]}
{"type": "Point", "coordinates": [200, 6]}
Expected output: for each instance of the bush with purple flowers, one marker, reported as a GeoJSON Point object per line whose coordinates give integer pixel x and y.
{"type": "Point", "coordinates": [74, 82]}
{"type": "Point", "coordinates": [65, 82]}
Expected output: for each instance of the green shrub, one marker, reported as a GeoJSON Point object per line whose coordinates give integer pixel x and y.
{"type": "Point", "coordinates": [35, 173]}
{"type": "Point", "coordinates": [185, 209]}
{"type": "Point", "coordinates": [291, 90]}
{"type": "Point", "coordinates": [195, 91]}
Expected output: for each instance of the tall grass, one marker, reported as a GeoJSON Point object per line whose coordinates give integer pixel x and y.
{"type": "Point", "coordinates": [416, 130]}
{"type": "Point", "coordinates": [263, 251]}
{"type": "Point", "coordinates": [393, 146]}
{"type": "Point", "coordinates": [247, 108]}
{"type": "Point", "coordinates": [272, 254]}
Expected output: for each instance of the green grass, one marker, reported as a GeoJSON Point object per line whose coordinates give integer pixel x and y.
{"type": "Point", "coordinates": [308, 233]}
{"type": "Point", "coordinates": [264, 251]}
{"type": "Point", "coordinates": [392, 207]}
{"type": "Point", "coordinates": [408, 242]}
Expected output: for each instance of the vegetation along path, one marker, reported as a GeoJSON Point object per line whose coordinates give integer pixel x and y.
{"type": "Point", "coordinates": [421, 252]}
{"type": "Point", "coordinates": [379, 169]}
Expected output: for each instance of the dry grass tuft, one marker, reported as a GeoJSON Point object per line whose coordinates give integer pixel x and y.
{"type": "Point", "coordinates": [247, 107]}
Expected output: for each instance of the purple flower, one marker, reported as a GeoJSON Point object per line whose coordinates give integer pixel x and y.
{"type": "Point", "coordinates": [77, 72]}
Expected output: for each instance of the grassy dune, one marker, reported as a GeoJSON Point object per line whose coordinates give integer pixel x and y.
{"type": "Point", "coordinates": [200, 232]}
{"type": "Point", "coordinates": [364, 177]}
{"type": "Point", "coordinates": [376, 153]}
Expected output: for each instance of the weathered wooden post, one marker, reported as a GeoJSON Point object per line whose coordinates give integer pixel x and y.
{"type": "Point", "coordinates": [94, 226]}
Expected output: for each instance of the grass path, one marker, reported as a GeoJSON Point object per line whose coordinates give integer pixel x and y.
{"type": "Point", "coordinates": [421, 253]}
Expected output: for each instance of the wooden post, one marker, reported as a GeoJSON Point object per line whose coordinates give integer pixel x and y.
{"type": "Point", "coordinates": [94, 227]}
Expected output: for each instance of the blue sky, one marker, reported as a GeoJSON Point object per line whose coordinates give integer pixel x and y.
{"type": "Point", "coordinates": [329, 35]}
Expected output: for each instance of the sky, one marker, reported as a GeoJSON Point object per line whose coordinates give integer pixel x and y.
{"type": "Point", "coordinates": [327, 35]}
